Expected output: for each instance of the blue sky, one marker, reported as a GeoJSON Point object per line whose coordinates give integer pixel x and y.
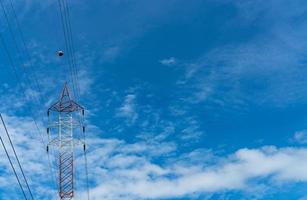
{"type": "Point", "coordinates": [201, 99]}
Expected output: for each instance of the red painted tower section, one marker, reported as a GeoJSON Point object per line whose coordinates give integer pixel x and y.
{"type": "Point", "coordinates": [63, 118]}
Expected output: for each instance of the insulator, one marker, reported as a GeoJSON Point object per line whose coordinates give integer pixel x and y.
{"type": "Point", "coordinates": [83, 129]}
{"type": "Point", "coordinates": [84, 147]}
{"type": "Point", "coordinates": [48, 112]}
{"type": "Point", "coordinates": [83, 112]}
{"type": "Point", "coordinates": [47, 149]}
{"type": "Point", "coordinates": [47, 130]}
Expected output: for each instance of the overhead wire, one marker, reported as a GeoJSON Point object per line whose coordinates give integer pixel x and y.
{"type": "Point", "coordinates": [63, 15]}
{"type": "Point", "coordinates": [12, 166]}
{"type": "Point", "coordinates": [23, 64]}
{"type": "Point", "coordinates": [75, 69]}
{"type": "Point", "coordinates": [53, 178]}
{"type": "Point", "coordinates": [78, 90]}
{"type": "Point", "coordinates": [15, 72]}
{"type": "Point", "coordinates": [69, 44]}
{"type": "Point", "coordinates": [16, 156]}
{"type": "Point", "coordinates": [17, 78]}
{"type": "Point", "coordinates": [86, 165]}
{"type": "Point", "coordinates": [25, 46]}
{"type": "Point", "coordinates": [86, 169]}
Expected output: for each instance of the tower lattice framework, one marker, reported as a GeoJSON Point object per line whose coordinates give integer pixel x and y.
{"type": "Point", "coordinates": [64, 132]}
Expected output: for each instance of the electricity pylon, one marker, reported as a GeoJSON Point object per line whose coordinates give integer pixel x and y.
{"type": "Point", "coordinates": [65, 131]}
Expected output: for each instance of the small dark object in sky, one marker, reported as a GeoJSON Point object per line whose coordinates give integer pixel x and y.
{"type": "Point", "coordinates": [60, 53]}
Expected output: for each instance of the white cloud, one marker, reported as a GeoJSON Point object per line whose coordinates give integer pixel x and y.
{"type": "Point", "coordinates": [137, 168]}
{"type": "Point", "coordinates": [191, 133]}
{"type": "Point", "coordinates": [268, 63]}
{"type": "Point", "coordinates": [111, 53]}
{"type": "Point", "coordinates": [33, 158]}
{"type": "Point", "coordinates": [128, 108]}
{"type": "Point", "coordinates": [303, 198]}
{"type": "Point", "coordinates": [300, 137]}
{"type": "Point", "coordinates": [85, 82]}
{"type": "Point", "coordinates": [137, 174]}
{"type": "Point", "coordinates": [168, 61]}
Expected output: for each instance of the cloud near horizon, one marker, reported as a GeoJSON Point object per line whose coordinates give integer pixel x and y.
{"type": "Point", "coordinates": [130, 170]}
{"type": "Point", "coordinates": [124, 166]}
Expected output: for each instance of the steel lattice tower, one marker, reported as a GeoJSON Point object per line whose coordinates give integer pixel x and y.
{"type": "Point", "coordinates": [66, 117]}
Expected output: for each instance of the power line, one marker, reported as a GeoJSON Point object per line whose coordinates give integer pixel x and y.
{"type": "Point", "coordinates": [17, 78]}
{"type": "Point", "coordinates": [86, 173]}
{"type": "Point", "coordinates": [69, 44]}
{"type": "Point", "coordinates": [72, 47]}
{"type": "Point", "coordinates": [68, 37]}
{"type": "Point", "coordinates": [25, 46]}
{"type": "Point", "coordinates": [72, 60]}
{"type": "Point", "coordinates": [17, 47]}
{"type": "Point", "coordinates": [85, 164]}
{"type": "Point", "coordinates": [15, 173]}
{"type": "Point", "coordinates": [16, 156]}
{"type": "Point", "coordinates": [67, 32]}
{"type": "Point", "coordinates": [15, 69]}
{"type": "Point", "coordinates": [66, 41]}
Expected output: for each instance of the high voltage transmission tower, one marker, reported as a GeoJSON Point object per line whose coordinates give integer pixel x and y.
{"type": "Point", "coordinates": [65, 126]}
{"type": "Point", "coordinates": [65, 131]}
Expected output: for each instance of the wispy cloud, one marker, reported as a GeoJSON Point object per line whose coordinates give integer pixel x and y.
{"type": "Point", "coordinates": [133, 167]}
{"type": "Point", "coordinates": [128, 108]}
{"type": "Point", "coordinates": [111, 53]}
{"type": "Point", "coordinates": [300, 137]}
{"type": "Point", "coordinates": [168, 61]}
{"type": "Point", "coordinates": [32, 155]}
{"type": "Point", "coordinates": [269, 61]}
{"type": "Point", "coordinates": [137, 174]}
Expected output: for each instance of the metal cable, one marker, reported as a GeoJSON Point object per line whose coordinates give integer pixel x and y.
{"type": "Point", "coordinates": [85, 158]}
{"type": "Point", "coordinates": [68, 37]}
{"type": "Point", "coordinates": [25, 46]}
{"type": "Point", "coordinates": [22, 172]}
{"type": "Point", "coordinates": [75, 69]}
{"type": "Point", "coordinates": [86, 172]}
{"type": "Point", "coordinates": [66, 40]}
{"type": "Point", "coordinates": [16, 45]}
{"type": "Point", "coordinates": [9, 158]}
{"type": "Point", "coordinates": [14, 67]}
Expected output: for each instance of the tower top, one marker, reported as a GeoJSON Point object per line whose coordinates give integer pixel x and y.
{"type": "Point", "coordinates": [65, 104]}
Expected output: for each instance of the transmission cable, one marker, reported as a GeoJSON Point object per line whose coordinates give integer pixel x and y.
{"type": "Point", "coordinates": [69, 44]}
{"type": "Point", "coordinates": [65, 20]}
{"type": "Point", "coordinates": [17, 78]}
{"type": "Point", "coordinates": [25, 46]}
{"type": "Point", "coordinates": [75, 69]}
{"type": "Point", "coordinates": [22, 172]}
{"type": "Point", "coordinates": [85, 164]}
{"type": "Point", "coordinates": [14, 170]}
{"type": "Point", "coordinates": [16, 46]}
{"type": "Point", "coordinates": [15, 69]}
